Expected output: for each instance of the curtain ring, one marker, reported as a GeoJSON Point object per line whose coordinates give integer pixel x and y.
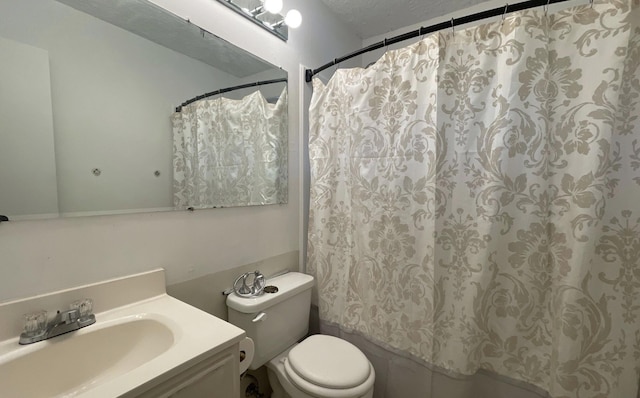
{"type": "Point", "coordinates": [546, 8]}
{"type": "Point", "coordinates": [453, 27]}
{"type": "Point", "coordinates": [506, 6]}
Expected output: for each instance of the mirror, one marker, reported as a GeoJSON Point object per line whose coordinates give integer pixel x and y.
{"type": "Point", "coordinates": [88, 97]}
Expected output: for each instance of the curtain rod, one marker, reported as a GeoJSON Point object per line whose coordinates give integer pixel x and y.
{"type": "Point", "coordinates": [508, 8]}
{"type": "Point", "coordinates": [226, 90]}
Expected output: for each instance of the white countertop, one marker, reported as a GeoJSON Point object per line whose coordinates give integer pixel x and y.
{"type": "Point", "coordinates": [196, 336]}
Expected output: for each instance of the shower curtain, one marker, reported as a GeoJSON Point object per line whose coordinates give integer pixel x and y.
{"type": "Point", "coordinates": [230, 152]}
{"type": "Point", "coordinates": [475, 208]}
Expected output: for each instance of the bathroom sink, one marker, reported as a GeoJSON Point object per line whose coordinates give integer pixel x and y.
{"type": "Point", "coordinates": [142, 340]}
{"type": "Point", "coordinates": [76, 361]}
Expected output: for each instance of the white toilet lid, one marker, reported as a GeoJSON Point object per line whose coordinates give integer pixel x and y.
{"type": "Point", "coordinates": [329, 362]}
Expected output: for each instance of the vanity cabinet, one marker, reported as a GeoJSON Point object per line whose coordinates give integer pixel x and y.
{"type": "Point", "coordinates": [214, 377]}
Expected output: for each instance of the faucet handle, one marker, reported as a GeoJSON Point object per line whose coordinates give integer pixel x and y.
{"type": "Point", "coordinates": [84, 307]}
{"type": "Point", "coordinates": [35, 323]}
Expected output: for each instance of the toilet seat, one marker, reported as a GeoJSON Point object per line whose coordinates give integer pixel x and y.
{"type": "Point", "coordinates": [327, 366]}
{"type": "Point", "coordinates": [330, 362]}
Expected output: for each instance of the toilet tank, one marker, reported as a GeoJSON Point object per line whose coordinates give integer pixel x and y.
{"type": "Point", "coordinates": [275, 321]}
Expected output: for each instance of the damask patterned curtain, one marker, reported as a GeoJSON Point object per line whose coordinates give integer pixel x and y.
{"type": "Point", "coordinates": [475, 204]}
{"type": "Point", "coordinates": [230, 152]}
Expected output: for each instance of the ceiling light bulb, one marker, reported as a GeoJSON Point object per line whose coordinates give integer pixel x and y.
{"type": "Point", "coordinates": [273, 6]}
{"type": "Point", "coordinates": [293, 19]}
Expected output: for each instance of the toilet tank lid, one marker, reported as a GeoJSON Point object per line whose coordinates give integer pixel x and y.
{"type": "Point", "coordinates": [288, 285]}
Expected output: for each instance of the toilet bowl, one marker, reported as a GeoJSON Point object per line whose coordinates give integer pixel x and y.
{"type": "Point", "coordinates": [321, 367]}
{"type": "Point", "coordinates": [318, 366]}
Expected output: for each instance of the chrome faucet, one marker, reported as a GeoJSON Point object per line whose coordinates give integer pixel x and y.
{"type": "Point", "coordinates": [37, 328]}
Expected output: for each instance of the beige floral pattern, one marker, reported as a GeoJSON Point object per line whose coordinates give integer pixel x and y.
{"type": "Point", "coordinates": [459, 236]}
{"type": "Point", "coordinates": [543, 249]}
{"type": "Point", "coordinates": [548, 76]}
{"type": "Point", "coordinates": [475, 200]}
{"type": "Point", "coordinates": [393, 99]}
{"type": "Point", "coordinates": [392, 237]}
{"type": "Point", "coordinates": [230, 152]}
{"type": "Point", "coordinates": [620, 245]}
{"type": "Point", "coordinates": [635, 159]}
{"type": "Point", "coordinates": [626, 117]}
{"type": "Point", "coordinates": [463, 75]}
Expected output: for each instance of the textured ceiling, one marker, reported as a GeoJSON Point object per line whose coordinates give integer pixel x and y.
{"type": "Point", "coordinates": [376, 17]}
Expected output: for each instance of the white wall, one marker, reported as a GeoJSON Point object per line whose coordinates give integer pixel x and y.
{"type": "Point", "coordinates": [27, 162]}
{"type": "Point", "coordinates": [46, 255]}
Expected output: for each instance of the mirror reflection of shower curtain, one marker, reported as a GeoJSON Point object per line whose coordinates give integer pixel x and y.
{"type": "Point", "coordinates": [230, 152]}
{"type": "Point", "coordinates": [474, 208]}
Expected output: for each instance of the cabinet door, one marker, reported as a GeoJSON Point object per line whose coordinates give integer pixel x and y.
{"type": "Point", "coordinates": [214, 382]}
{"type": "Point", "coordinates": [215, 377]}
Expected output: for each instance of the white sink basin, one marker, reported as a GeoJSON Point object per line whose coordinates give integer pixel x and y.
{"type": "Point", "coordinates": [142, 337]}
{"type": "Point", "coordinates": [75, 362]}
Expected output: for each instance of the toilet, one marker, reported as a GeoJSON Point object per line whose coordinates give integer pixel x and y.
{"type": "Point", "coordinates": [317, 367]}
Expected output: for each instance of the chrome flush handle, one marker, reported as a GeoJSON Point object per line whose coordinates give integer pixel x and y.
{"type": "Point", "coordinates": [260, 317]}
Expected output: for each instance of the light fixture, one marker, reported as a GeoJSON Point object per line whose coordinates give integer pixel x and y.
{"type": "Point", "coordinates": [267, 14]}
{"type": "Point", "coordinates": [273, 6]}
{"type": "Point", "coordinates": [293, 19]}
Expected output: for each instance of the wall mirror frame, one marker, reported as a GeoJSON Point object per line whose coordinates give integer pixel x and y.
{"type": "Point", "coordinates": [87, 107]}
